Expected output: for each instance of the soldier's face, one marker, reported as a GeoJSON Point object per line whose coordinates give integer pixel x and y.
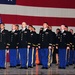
{"type": "Point", "coordinates": [45, 25]}
{"type": "Point", "coordinates": [24, 25]}
{"type": "Point", "coordinates": [29, 27]}
{"type": "Point", "coordinates": [71, 30]}
{"type": "Point", "coordinates": [62, 27]}
{"type": "Point", "coordinates": [50, 27]}
{"type": "Point", "coordinates": [13, 27]}
{"type": "Point", "coordinates": [33, 29]}
{"type": "Point", "coordinates": [17, 28]}
{"type": "Point", "coordinates": [66, 29]}
{"type": "Point", "coordinates": [2, 26]}
{"type": "Point", "coordinates": [57, 31]}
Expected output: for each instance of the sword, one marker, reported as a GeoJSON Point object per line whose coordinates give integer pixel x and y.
{"type": "Point", "coordinates": [27, 56]}
{"type": "Point", "coordinates": [67, 55]}
{"type": "Point", "coordinates": [49, 58]}
{"type": "Point", "coordinates": [52, 55]}
{"type": "Point", "coordinates": [32, 56]}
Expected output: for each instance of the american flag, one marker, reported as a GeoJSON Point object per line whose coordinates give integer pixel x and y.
{"type": "Point", "coordinates": [35, 12]}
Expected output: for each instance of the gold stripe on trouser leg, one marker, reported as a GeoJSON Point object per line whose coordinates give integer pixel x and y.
{"type": "Point", "coordinates": [5, 58]}
{"type": "Point", "coordinates": [52, 55]}
{"type": "Point", "coordinates": [49, 57]}
{"type": "Point", "coordinates": [67, 55]}
{"type": "Point", "coordinates": [27, 56]}
{"type": "Point", "coordinates": [32, 56]}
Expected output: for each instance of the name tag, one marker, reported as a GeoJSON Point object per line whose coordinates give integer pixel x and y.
{"type": "Point", "coordinates": [25, 32]}
{"type": "Point", "coordinates": [31, 34]}
{"type": "Point", "coordinates": [3, 33]}
{"type": "Point", "coordinates": [64, 33]}
{"type": "Point", "coordinates": [15, 33]}
{"type": "Point", "coordinates": [46, 33]}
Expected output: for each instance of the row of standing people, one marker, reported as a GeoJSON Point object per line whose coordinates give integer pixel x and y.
{"type": "Point", "coordinates": [62, 43]}
{"type": "Point", "coordinates": [24, 43]}
{"type": "Point", "coordinates": [65, 47]}
{"type": "Point", "coordinates": [18, 42]}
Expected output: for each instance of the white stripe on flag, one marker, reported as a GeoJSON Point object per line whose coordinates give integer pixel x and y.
{"type": "Point", "coordinates": [37, 11]}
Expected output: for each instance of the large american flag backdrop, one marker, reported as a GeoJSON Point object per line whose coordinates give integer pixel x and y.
{"type": "Point", "coordinates": [35, 12]}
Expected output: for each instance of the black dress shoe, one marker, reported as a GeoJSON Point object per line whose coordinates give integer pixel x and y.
{"type": "Point", "coordinates": [30, 67]}
{"type": "Point", "coordinates": [43, 68]}
{"type": "Point", "coordinates": [39, 64]}
{"type": "Point", "coordinates": [18, 65]}
{"type": "Point", "coordinates": [46, 68]}
{"type": "Point", "coordinates": [34, 65]}
{"type": "Point", "coordinates": [67, 65]}
{"type": "Point", "coordinates": [70, 64]}
{"type": "Point", "coordinates": [12, 66]}
{"type": "Point", "coordinates": [21, 68]}
{"type": "Point", "coordinates": [63, 68]}
{"type": "Point", "coordinates": [26, 68]}
{"type": "Point", "coordinates": [2, 68]}
{"type": "Point", "coordinates": [59, 67]}
{"type": "Point", "coordinates": [74, 67]}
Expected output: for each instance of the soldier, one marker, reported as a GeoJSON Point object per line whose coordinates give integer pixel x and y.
{"type": "Point", "coordinates": [56, 47]}
{"type": "Point", "coordinates": [17, 27]}
{"type": "Point", "coordinates": [52, 54]}
{"type": "Point", "coordinates": [13, 46]}
{"type": "Point", "coordinates": [4, 43]}
{"type": "Point", "coordinates": [23, 43]}
{"type": "Point", "coordinates": [45, 43]}
{"type": "Point", "coordinates": [18, 54]}
{"type": "Point", "coordinates": [39, 50]}
{"type": "Point", "coordinates": [71, 55]}
{"type": "Point", "coordinates": [32, 39]}
{"type": "Point", "coordinates": [63, 44]}
{"type": "Point", "coordinates": [69, 51]}
{"type": "Point", "coordinates": [35, 47]}
{"type": "Point", "coordinates": [73, 48]}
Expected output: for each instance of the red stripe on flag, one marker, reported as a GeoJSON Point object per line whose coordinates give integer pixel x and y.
{"type": "Point", "coordinates": [53, 21]}
{"type": "Point", "coordinates": [48, 3]}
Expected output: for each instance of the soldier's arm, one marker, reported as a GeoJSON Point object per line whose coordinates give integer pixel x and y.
{"type": "Point", "coordinates": [39, 40]}
{"type": "Point", "coordinates": [8, 39]}
{"type": "Point", "coordinates": [28, 39]}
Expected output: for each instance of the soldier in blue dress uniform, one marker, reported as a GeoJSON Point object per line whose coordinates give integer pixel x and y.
{"type": "Point", "coordinates": [23, 43]}
{"type": "Point", "coordinates": [63, 44]}
{"type": "Point", "coordinates": [4, 43]}
{"type": "Point", "coordinates": [18, 54]}
{"type": "Point", "coordinates": [13, 46]}
{"type": "Point", "coordinates": [45, 43]}
{"type": "Point", "coordinates": [73, 48]}
{"type": "Point", "coordinates": [32, 40]}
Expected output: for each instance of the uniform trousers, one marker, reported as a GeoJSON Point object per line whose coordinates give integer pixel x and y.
{"type": "Point", "coordinates": [62, 58]}
{"type": "Point", "coordinates": [44, 54]}
{"type": "Point", "coordinates": [2, 57]}
{"type": "Point", "coordinates": [13, 57]}
{"type": "Point", "coordinates": [23, 57]}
